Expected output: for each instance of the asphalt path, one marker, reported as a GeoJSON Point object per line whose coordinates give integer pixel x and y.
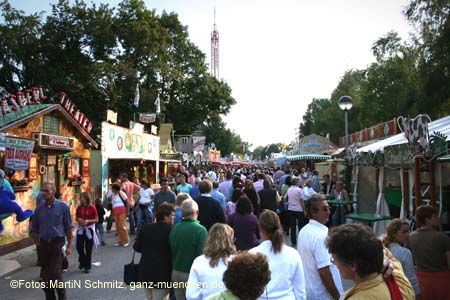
{"type": "Point", "coordinates": [103, 282]}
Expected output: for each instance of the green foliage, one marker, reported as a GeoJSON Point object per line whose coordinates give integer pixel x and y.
{"type": "Point", "coordinates": [97, 55]}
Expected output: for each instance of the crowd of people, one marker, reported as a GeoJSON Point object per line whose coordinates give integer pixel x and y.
{"type": "Point", "coordinates": [214, 229]}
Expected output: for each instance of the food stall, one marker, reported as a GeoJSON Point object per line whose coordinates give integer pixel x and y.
{"type": "Point", "coordinates": [128, 150]}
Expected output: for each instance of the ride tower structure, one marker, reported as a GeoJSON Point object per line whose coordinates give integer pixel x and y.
{"type": "Point", "coordinates": [215, 49]}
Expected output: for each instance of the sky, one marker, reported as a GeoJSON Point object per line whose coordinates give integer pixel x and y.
{"type": "Point", "coordinates": [277, 55]}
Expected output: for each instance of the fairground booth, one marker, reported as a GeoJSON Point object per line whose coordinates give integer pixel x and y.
{"type": "Point", "coordinates": [41, 140]}
{"type": "Point", "coordinates": [312, 149]}
{"type": "Point", "coordinates": [128, 150]}
{"type": "Point", "coordinates": [406, 170]}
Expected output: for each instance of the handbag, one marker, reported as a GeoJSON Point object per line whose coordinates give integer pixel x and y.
{"type": "Point", "coordinates": [394, 290]}
{"type": "Point", "coordinates": [131, 272]}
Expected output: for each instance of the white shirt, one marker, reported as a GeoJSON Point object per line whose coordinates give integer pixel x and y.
{"type": "Point", "coordinates": [287, 279]}
{"type": "Point", "coordinates": [146, 195]}
{"type": "Point", "coordinates": [308, 192]}
{"type": "Point", "coordinates": [294, 194]}
{"type": "Point", "coordinates": [116, 201]}
{"type": "Point", "coordinates": [212, 174]}
{"type": "Point", "coordinates": [259, 185]}
{"type": "Point", "coordinates": [202, 274]}
{"type": "Point", "coordinates": [315, 255]}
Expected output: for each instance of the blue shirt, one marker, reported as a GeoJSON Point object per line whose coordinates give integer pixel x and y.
{"type": "Point", "coordinates": [53, 221]}
{"type": "Point", "coordinates": [194, 192]}
{"type": "Point", "coordinates": [219, 197]}
{"type": "Point", "coordinates": [178, 215]}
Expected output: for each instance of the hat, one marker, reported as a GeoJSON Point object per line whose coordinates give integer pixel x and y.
{"type": "Point", "coordinates": [155, 186]}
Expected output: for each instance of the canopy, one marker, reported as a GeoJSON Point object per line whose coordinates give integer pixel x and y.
{"type": "Point", "coordinates": [441, 125]}
{"type": "Point", "coordinates": [308, 156]}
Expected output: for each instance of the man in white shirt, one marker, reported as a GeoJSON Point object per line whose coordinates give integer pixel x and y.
{"type": "Point", "coordinates": [308, 190]}
{"type": "Point", "coordinates": [323, 281]}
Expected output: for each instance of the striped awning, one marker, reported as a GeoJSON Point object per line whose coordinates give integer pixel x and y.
{"type": "Point", "coordinates": [308, 156]}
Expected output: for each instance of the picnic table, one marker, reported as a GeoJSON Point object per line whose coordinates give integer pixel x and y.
{"type": "Point", "coordinates": [337, 203]}
{"type": "Point", "coordinates": [369, 218]}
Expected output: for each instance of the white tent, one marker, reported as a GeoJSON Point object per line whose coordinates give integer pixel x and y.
{"type": "Point", "coordinates": [442, 125]}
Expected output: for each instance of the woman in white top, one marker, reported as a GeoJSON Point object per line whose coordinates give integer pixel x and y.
{"type": "Point", "coordinates": [145, 199]}
{"type": "Point", "coordinates": [397, 233]}
{"type": "Point", "coordinates": [205, 277]}
{"type": "Point", "coordinates": [287, 280]}
{"type": "Point", "coordinates": [120, 211]}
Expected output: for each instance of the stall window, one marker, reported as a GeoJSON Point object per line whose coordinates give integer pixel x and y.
{"type": "Point", "coordinates": [51, 125]}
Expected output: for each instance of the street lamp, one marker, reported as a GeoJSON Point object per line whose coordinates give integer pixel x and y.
{"type": "Point", "coordinates": [345, 104]}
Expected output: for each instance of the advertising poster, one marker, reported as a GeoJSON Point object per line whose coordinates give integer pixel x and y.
{"type": "Point", "coordinates": [18, 153]}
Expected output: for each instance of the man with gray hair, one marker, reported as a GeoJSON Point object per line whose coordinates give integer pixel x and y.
{"type": "Point", "coordinates": [323, 280]}
{"type": "Point", "coordinates": [187, 239]}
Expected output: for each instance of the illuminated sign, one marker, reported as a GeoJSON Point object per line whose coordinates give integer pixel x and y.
{"type": "Point", "coordinates": [75, 113]}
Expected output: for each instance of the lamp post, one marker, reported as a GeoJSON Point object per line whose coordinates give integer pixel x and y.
{"type": "Point", "coordinates": [345, 104]}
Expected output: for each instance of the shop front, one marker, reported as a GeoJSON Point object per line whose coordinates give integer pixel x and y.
{"type": "Point", "coordinates": [130, 151]}
{"type": "Point", "coordinates": [61, 145]}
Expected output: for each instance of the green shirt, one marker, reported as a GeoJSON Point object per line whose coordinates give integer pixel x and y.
{"type": "Point", "coordinates": [187, 239]}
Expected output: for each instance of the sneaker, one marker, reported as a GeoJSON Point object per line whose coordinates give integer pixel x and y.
{"type": "Point", "coordinates": [64, 270]}
{"type": "Point", "coordinates": [102, 244]}
{"type": "Point", "coordinates": [126, 245]}
{"type": "Point", "coordinates": [116, 245]}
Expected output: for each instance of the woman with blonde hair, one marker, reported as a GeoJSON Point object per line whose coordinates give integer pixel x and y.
{"type": "Point", "coordinates": [397, 233]}
{"type": "Point", "coordinates": [87, 216]}
{"type": "Point", "coordinates": [288, 280]}
{"type": "Point", "coordinates": [205, 277]}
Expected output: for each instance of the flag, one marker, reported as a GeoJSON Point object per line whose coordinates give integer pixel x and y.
{"type": "Point", "coordinates": [136, 95]}
{"type": "Point", "coordinates": [158, 105]}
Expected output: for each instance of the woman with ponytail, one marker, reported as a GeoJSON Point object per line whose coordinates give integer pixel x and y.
{"type": "Point", "coordinates": [287, 281]}
{"type": "Point", "coordinates": [397, 234]}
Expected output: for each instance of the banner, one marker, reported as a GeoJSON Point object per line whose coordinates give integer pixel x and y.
{"type": "Point", "coordinates": [199, 143]}
{"type": "Point", "coordinates": [111, 116]}
{"type": "Point", "coordinates": [18, 153]}
{"type": "Point", "coordinates": [136, 96]}
{"type": "Point", "coordinates": [147, 118]}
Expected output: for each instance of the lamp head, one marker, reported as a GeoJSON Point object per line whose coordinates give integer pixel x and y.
{"type": "Point", "coordinates": [345, 103]}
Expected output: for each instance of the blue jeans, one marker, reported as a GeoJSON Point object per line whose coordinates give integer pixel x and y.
{"type": "Point", "coordinates": [143, 216]}
{"type": "Point", "coordinates": [131, 220]}
{"type": "Point", "coordinates": [99, 228]}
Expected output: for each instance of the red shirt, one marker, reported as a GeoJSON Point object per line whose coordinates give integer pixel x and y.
{"type": "Point", "coordinates": [86, 213]}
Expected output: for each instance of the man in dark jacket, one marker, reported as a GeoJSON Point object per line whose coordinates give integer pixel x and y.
{"type": "Point", "coordinates": [210, 211]}
{"type": "Point", "coordinates": [156, 259]}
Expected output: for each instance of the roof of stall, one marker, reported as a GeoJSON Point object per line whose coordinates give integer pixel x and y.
{"type": "Point", "coordinates": [441, 125]}
{"type": "Point", "coordinates": [308, 156]}
{"type": "Point", "coordinates": [15, 119]}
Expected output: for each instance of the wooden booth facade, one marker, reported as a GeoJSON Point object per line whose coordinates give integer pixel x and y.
{"type": "Point", "coordinates": [61, 154]}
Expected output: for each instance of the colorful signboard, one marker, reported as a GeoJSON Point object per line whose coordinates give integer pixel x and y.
{"type": "Point", "coordinates": [75, 113]}
{"type": "Point", "coordinates": [314, 143]}
{"type": "Point", "coordinates": [18, 153]}
{"type": "Point", "coordinates": [123, 143]}
{"type": "Point", "coordinates": [147, 118]}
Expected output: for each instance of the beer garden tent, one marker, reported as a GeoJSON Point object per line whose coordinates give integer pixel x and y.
{"type": "Point", "coordinates": [443, 127]}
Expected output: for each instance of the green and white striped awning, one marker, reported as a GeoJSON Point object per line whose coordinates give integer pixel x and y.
{"type": "Point", "coordinates": [308, 156]}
